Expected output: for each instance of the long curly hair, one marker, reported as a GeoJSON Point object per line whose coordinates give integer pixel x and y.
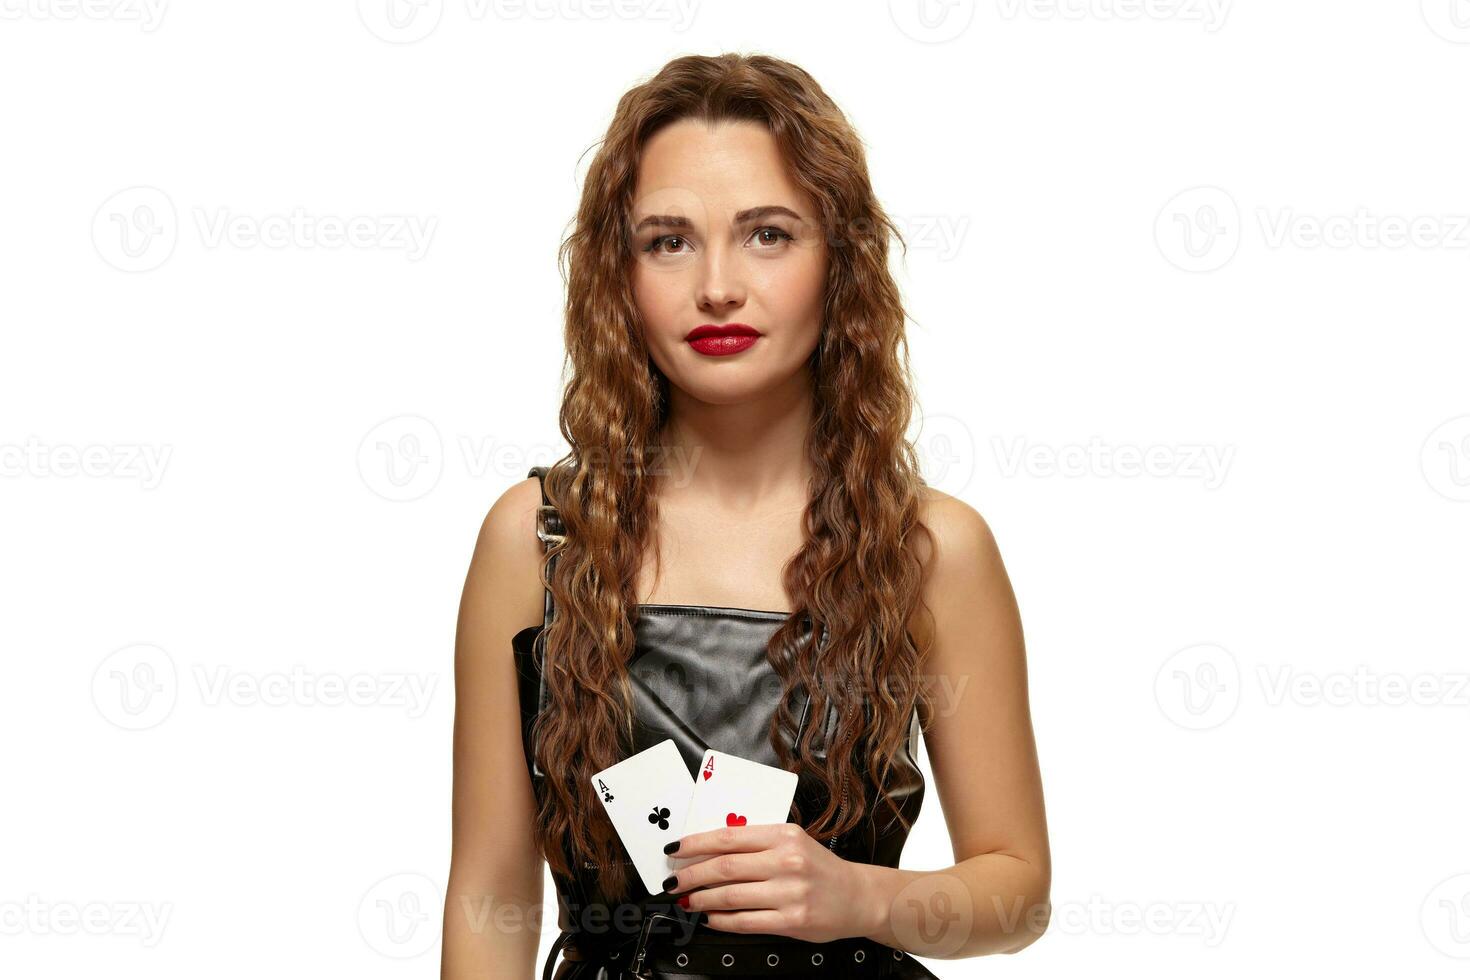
{"type": "Point", "coordinates": [856, 574]}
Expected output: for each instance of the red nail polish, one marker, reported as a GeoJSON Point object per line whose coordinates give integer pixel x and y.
{"type": "Point", "coordinates": [684, 901]}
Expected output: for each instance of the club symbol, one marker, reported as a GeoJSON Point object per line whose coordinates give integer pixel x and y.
{"type": "Point", "coordinates": [660, 816]}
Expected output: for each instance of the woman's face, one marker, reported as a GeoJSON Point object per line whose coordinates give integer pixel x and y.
{"type": "Point", "coordinates": [721, 236]}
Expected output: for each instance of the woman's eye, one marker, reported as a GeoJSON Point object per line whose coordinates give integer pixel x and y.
{"type": "Point", "coordinates": [780, 235]}
{"type": "Point", "coordinates": [653, 246]}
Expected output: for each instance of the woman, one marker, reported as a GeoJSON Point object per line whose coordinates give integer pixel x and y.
{"type": "Point", "coordinates": [737, 545]}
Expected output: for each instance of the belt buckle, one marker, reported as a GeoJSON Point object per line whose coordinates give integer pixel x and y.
{"type": "Point", "coordinates": [635, 968]}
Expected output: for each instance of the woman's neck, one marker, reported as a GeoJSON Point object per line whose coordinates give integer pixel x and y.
{"type": "Point", "coordinates": [737, 458]}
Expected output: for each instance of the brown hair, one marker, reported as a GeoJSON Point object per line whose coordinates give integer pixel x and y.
{"type": "Point", "coordinates": [855, 574]}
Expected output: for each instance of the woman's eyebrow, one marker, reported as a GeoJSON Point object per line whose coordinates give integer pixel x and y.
{"type": "Point", "coordinates": [765, 211]}
{"type": "Point", "coordinates": [749, 214]}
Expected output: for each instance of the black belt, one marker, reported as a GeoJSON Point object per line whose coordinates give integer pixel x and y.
{"type": "Point", "coordinates": [652, 952]}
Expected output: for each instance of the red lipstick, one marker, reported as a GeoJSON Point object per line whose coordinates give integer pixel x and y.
{"type": "Point", "coordinates": [717, 340]}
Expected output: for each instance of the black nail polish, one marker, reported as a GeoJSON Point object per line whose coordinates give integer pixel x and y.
{"type": "Point", "coordinates": [670, 882]}
{"type": "Point", "coordinates": [671, 847]}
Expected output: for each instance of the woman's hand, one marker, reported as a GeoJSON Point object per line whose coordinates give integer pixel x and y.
{"type": "Point", "coordinates": [785, 883]}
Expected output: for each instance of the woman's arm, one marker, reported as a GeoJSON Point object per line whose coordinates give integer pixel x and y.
{"type": "Point", "coordinates": [996, 899]}
{"type": "Point", "coordinates": [493, 906]}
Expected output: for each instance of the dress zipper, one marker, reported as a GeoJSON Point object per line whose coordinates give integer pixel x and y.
{"type": "Point", "coordinates": [841, 809]}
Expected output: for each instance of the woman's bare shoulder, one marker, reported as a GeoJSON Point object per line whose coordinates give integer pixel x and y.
{"type": "Point", "coordinates": [505, 570]}
{"type": "Point", "coordinates": [959, 556]}
{"type": "Point", "coordinates": [960, 535]}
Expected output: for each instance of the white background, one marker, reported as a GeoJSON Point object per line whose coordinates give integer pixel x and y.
{"type": "Point", "coordinates": [1228, 239]}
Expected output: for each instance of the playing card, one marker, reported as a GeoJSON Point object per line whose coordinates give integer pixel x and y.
{"type": "Point", "coordinates": [647, 799]}
{"type": "Point", "coordinates": [730, 791]}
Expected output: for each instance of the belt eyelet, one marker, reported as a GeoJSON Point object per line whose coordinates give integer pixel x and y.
{"type": "Point", "coordinates": [858, 956]}
{"type": "Point", "coordinates": [898, 954]}
{"type": "Point", "coordinates": [816, 959]}
{"type": "Point", "coordinates": [682, 959]}
{"type": "Point", "coordinates": [727, 960]}
{"type": "Point", "coordinates": [772, 959]}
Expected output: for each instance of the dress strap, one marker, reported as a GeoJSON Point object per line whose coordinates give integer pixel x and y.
{"type": "Point", "coordinates": [556, 947]}
{"type": "Point", "coordinates": [551, 531]}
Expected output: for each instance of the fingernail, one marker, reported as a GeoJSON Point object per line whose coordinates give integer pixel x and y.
{"type": "Point", "coordinates": [684, 901]}
{"type": "Point", "coordinates": [670, 882]}
{"type": "Point", "coordinates": [671, 847]}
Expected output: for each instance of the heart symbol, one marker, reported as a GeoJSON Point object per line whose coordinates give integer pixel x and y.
{"type": "Point", "coordinates": [731, 820]}
{"type": "Point", "coordinates": [706, 774]}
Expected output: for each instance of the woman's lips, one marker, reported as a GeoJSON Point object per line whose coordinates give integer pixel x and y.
{"type": "Point", "coordinates": [718, 345]}
{"type": "Point", "coordinates": [715, 341]}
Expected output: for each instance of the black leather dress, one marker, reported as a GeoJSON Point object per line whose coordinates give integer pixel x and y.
{"type": "Point", "coordinates": [700, 676]}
